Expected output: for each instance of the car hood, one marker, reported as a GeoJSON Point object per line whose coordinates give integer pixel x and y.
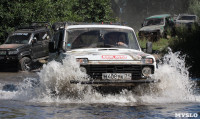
{"type": "Point", "coordinates": [11, 46]}
{"type": "Point", "coordinates": [110, 55]}
{"type": "Point", "coordinates": [151, 28]}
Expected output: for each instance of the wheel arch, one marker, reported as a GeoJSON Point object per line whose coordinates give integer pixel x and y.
{"type": "Point", "coordinates": [25, 54]}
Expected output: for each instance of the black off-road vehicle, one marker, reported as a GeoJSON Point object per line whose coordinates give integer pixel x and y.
{"type": "Point", "coordinates": [25, 46]}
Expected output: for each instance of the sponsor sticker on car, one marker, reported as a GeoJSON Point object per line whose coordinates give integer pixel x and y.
{"type": "Point", "coordinates": [114, 57]}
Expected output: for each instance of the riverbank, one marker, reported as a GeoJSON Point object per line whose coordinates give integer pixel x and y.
{"type": "Point", "coordinates": [186, 42]}
{"type": "Point", "coordinates": [158, 46]}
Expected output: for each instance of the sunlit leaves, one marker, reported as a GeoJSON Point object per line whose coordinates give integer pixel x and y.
{"type": "Point", "coordinates": [17, 12]}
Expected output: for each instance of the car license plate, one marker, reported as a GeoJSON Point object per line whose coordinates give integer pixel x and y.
{"type": "Point", "coordinates": [127, 76]}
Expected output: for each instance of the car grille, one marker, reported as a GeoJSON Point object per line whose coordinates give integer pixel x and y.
{"type": "Point", "coordinates": [95, 71]}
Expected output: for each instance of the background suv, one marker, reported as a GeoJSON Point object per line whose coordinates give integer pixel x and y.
{"type": "Point", "coordinates": [157, 26]}
{"type": "Point", "coordinates": [24, 46]}
{"type": "Point", "coordinates": [186, 20]}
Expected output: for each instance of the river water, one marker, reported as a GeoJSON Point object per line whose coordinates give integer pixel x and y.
{"type": "Point", "coordinates": [48, 94]}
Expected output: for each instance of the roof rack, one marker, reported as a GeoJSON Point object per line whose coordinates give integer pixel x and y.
{"type": "Point", "coordinates": [60, 25]}
{"type": "Point", "coordinates": [34, 26]}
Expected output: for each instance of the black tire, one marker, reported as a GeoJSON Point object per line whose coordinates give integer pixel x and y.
{"type": "Point", "coordinates": [25, 64]}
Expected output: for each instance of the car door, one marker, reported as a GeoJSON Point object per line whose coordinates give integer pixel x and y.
{"type": "Point", "coordinates": [45, 38]}
{"type": "Point", "coordinates": [37, 46]}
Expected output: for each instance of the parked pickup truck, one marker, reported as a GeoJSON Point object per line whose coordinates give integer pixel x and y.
{"type": "Point", "coordinates": [109, 54]}
{"type": "Point", "coordinates": [24, 46]}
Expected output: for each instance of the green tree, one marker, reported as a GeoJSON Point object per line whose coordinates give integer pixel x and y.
{"type": "Point", "coordinates": [194, 7]}
{"type": "Point", "coordinates": [94, 10]}
{"type": "Point", "coordinates": [17, 12]}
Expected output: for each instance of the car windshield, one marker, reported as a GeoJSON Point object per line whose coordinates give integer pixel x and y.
{"type": "Point", "coordinates": [101, 38]}
{"type": "Point", "coordinates": [187, 18]}
{"type": "Point", "coordinates": [153, 21]}
{"type": "Point", "coordinates": [18, 38]}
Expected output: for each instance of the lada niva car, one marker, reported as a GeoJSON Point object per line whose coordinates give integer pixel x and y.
{"type": "Point", "coordinates": [109, 54]}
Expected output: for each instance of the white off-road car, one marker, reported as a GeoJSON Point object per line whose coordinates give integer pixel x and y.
{"type": "Point", "coordinates": [109, 54]}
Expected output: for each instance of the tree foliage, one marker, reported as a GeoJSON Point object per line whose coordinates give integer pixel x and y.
{"type": "Point", "coordinates": [17, 12]}
{"type": "Point", "coordinates": [187, 41]}
{"type": "Point", "coordinates": [194, 7]}
{"type": "Point", "coordinates": [93, 11]}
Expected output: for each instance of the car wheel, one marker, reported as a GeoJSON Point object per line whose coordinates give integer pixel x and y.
{"type": "Point", "coordinates": [25, 64]}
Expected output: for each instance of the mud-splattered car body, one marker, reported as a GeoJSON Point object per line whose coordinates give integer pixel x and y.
{"type": "Point", "coordinates": [155, 27]}
{"type": "Point", "coordinates": [105, 62]}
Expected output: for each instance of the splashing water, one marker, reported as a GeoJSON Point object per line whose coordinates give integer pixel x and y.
{"type": "Point", "coordinates": [175, 85]}
{"type": "Point", "coordinates": [54, 86]}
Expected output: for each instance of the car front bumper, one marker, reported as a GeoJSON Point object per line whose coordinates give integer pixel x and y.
{"type": "Point", "coordinates": [8, 61]}
{"type": "Point", "coordinates": [116, 82]}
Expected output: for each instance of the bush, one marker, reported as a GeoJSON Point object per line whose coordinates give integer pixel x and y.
{"type": "Point", "coordinates": [188, 42]}
{"type": "Point", "coordinates": [194, 7]}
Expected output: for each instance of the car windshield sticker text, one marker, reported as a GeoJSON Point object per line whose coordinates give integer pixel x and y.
{"type": "Point", "coordinates": [25, 34]}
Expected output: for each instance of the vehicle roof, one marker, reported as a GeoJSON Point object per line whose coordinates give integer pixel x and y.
{"type": "Point", "coordinates": [159, 16]}
{"type": "Point", "coordinates": [98, 26]}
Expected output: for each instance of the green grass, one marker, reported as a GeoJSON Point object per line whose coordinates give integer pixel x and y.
{"type": "Point", "coordinates": [159, 45]}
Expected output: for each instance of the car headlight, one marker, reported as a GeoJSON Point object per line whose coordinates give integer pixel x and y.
{"type": "Point", "coordinates": [82, 60]}
{"type": "Point", "coordinates": [146, 71]}
{"type": "Point", "coordinates": [148, 61]}
{"type": "Point", "coordinates": [2, 52]}
{"type": "Point", "coordinates": [12, 52]}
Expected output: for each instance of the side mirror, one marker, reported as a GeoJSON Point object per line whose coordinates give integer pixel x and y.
{"type": "Point", "coordinates": [142, 24]}
{"type": "Point", "coordinates": [52, 48]}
